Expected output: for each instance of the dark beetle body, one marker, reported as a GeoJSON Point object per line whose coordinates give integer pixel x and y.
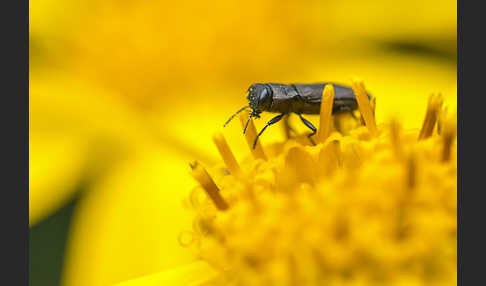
{"type": "Point", "coordinates": [306, 98]}
{"type": "Point", "coordinates": [295, 98]}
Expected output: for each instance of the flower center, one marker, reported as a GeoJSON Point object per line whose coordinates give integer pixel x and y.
{"type": "Point", "coordinates": [370, 204]}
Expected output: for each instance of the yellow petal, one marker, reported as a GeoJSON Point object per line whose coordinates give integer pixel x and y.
{"type": "Point", "coordinates": [76, 129]}
{"type": "Point", "coordinates": [192, 274]}
{"type": "Point", "coordinates": [56, 165]}
{"type": "Point", "coordinates": [62, 102]}
{"type": "Point", "coordinates": [129, 224]}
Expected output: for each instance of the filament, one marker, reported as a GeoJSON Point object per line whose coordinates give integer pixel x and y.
{"type": "Point", "coordinates": [201, 175]}
{"type": "Point", "coordinates": [365, 106]}
{"type": "Point", "coordinates": [433, 108]}
{"type": "Point", "coordinates": [225, 152]}
{"type": "Point", "coordinates": [325, 114]}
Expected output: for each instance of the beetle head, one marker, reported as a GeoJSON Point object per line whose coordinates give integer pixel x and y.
{"type": "Point", "coordinates": [260, 98]}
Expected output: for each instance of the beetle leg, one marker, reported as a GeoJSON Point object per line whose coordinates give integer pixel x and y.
{"type": "Point", "coordinates": [272, 121]}
{"type": "Point", "coordinates": [311, 127]}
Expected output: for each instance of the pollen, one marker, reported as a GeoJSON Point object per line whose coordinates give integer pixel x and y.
{"type": "Point", "coordinates": [372, 205]}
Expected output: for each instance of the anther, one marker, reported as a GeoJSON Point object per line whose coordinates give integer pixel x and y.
{"type": "Point", "coordinates": [364, 106]}
{"type": "Point", "coordinates": [412, 171]}
{"type": "Point", "coordinates": [207, 183]}
{"type": "Point", "coordinates": [448, 134]}
{"type": "Point", "coordinates": [373, 105]}
{"type": "Point", "coordinates": [433, 108]}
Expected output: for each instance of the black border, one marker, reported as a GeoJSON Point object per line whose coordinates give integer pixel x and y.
{"type": "Point", "coordinates": [14, 212]}
{"type": "Point", "coordinates": [471, 143]}
{"type": "Point", "coordinates": [460, 278]}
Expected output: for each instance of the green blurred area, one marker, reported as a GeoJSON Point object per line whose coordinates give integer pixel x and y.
{"type": "Point", "coordinates": [47, 243]}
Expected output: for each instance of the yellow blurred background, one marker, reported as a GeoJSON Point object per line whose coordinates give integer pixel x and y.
{"type": "Point", "coordinates": [123, 94]}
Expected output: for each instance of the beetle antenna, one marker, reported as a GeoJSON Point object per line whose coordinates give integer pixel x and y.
{"type": "Point", "coordinates": [248, 121]}
{"type": "Point", "coordinates": [233, 116]}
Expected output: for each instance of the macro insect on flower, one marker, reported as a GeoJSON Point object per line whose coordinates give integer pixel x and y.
{"type": "Point", "coordinates": [369, 205]}
{"type": "Point", "coordinates": [294, 98]}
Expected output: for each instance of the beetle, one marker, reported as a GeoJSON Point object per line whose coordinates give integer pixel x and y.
{"type": "Point", "coordinates": [294, 98]}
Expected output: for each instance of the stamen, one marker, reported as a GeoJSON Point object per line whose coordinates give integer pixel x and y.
{"type": "Point", "coordinates": [325, 113]}
{"type": "Point", "coordinates": [440, 120]}
{"type": "Point", "coordinates": [448, 134]}
{"type": "Point", "coordinates": [395, 130]}
{"type": "Point", "coordinates": [412, 171]}
{"type": "Point", "coordinates": [329, 158]}
{"type": "Point", "coordinates": [250, 136]}
{"type": "Point", "coordinates": [225, 152]}
{"type": "Point", "coordinates": [202, 176]}
{"type": "Point", "coordinates": [433, 107]}
{"type": "Point", "coordinates": [446, 151]}
{"type": "Point", "coordinates": [373, 105]}
{"type": "Point", "coordinates": [364, 106]}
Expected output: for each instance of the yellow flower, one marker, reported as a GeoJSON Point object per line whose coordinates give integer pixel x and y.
{"type": "Point", "coordinates": [367, 205]}
{"type": "Point", "coordinates": [134, 90]}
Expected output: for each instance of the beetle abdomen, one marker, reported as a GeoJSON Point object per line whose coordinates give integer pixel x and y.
{"type": "Point", "coordinates": [306, 98]}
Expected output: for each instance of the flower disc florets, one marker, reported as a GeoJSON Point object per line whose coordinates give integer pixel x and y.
{"type": "Point", "coordinates": [364, 207]}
